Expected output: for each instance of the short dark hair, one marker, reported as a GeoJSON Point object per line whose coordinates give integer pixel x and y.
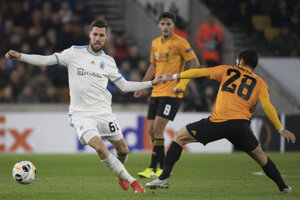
{"type": "Point", "coordinates": [99, 23]}
{"type": "Point", "coordinates": [167, 15]}
{"type": "Point", "coordinates": [249, 56]}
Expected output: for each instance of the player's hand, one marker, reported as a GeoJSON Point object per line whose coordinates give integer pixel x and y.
{"type": "Point", "coordinates": [141, 93]}
{"type": "Point", "coordinates": [13, 55]}
{"type": "Point", "coordinates": [167, 77]}
{"type": "Point", "coordinates": [138, 94]}
{"type": "Point", "coordinates": [178, 90]}
{"type": "Point", "coordinates": [157, 80]}
{"type": "Point", "coordinates": [289, 136]}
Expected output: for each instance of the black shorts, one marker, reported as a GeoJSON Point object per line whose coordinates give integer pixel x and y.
{"type": "Point", "coordinates": [238, 132]}
{"type": "Point", "coordinates": [166, 107]}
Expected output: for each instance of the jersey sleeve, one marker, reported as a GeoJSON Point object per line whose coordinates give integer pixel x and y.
{"type": "Point", "coordinates": [113, 73]}
{"type": "Point", "coordinates": [270, 112]}
{"type": "Point", "coordinates": [263, 91]}
{"type": "Point", "coordinates": [65, 57]}
{"type": "Point", "coordinates": [186, 50]}
{"type": "Point", "coordinates": [216, 73]}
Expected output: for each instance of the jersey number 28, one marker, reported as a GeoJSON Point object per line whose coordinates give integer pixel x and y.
{"type": "Point", "coordinates": [244, 85]}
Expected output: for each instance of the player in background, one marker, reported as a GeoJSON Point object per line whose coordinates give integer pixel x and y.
{"type": "Point", "coordinates": [239, 91]}
{"type": "Point", "coordinates": [89, 70]}
{"type": "Point", "coordinates": [169, 54]}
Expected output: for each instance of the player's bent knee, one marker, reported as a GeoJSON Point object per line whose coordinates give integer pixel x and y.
{"type": "Point", "coordinates": [182, 137]}
{"type": "Point", "coordinates": [120, 146]}
{"type": "Point", "coordinates": [259, 156]}
{"type": "Point", "coordinates": [123, 151]}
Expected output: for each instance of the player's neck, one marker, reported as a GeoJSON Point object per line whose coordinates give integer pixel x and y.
{"type": "Point", "coordinates": [247, 67]}
{"type": "Point", "coordinates": [165, 38]}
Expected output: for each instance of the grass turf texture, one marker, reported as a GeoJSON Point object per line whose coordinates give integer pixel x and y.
{"type": "Point", "coordinates": [195, 176]}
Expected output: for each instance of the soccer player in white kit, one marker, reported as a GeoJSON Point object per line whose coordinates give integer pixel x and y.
{"type": "Point", "coordinates": [89, 69]}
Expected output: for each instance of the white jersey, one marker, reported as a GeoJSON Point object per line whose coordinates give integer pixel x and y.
{"type": "Point", "coordinates": [88, 78]}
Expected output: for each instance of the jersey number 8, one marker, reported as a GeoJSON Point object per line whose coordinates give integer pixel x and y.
{"type": "Point", "coordinates": [167, 109]}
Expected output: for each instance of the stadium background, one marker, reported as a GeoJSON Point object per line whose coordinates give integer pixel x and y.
{"type": "Point", "coordinates": [34, 100]}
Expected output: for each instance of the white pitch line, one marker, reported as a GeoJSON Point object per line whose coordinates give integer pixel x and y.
{"type": "Point", "coordinates": [263, 174]}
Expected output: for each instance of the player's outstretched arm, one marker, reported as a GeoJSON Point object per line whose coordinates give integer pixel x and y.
{"type": "Point", "coordinates": [31, 59]}
{"type": "Point", "coordinates": [272, 115]}
{"type": "Point", "coordinates": [131, 86]}
{"type": "Point", "coordinates": [181, 85]}
{"type": "Point", "coordinates": [191, 73]}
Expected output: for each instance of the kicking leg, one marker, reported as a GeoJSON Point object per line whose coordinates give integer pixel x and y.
{"type": "Point", "coordinates": [112, 163]}
{"type": "Point", "coordinates": [122, 155]}
{"type": "Point", "coordinates": [269, 168]}
{"type": "Point", "coordinates": [182, 138]}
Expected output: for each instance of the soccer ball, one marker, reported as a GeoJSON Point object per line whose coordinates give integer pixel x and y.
{"type": "Point", "coordinates": [24, 172]}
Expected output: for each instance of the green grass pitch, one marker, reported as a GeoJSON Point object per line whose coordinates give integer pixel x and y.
{"type": "Point", "coordinates": [195, 176]}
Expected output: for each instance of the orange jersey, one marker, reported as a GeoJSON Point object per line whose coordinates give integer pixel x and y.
{"type": "Point", "coordinates": [169, 57]}
{"type": "Point", "coordinates": [239, 91]}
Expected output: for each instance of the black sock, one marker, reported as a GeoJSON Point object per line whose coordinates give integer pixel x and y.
{"type": "Point", "coordinates": [172, 156]}
{"type": "Point", "coordinates": [162, 158]}
{"type": "Point", "coordinates": [157, 153]}
{"type": "Point", "coordinates": [272, 172]}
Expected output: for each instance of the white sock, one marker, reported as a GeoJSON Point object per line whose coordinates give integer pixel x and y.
{"type": "Point", "coordinates": [117, 168]}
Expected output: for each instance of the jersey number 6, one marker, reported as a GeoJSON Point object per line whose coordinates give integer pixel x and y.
{"type": "Point", "coordinates": [113, 126]}
{"type": "Point", "coordinates": [249, 87]}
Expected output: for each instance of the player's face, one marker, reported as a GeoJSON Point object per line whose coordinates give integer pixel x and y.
{"type": "Point", "coordinates": [166, 26]}
{"type": "Point", "coordinates": [98, 38]}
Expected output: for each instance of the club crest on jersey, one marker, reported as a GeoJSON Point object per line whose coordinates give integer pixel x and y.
{"type": "Point", "coordinates": [102, 65]}
{"type": "Point", "coordinates": [79, 71]}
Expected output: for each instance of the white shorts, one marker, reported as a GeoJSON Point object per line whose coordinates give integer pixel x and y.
{"type": "Point", "coordinates": [102, 125]}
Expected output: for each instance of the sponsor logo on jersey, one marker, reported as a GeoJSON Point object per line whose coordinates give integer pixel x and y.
{"type": "Point", "coordinates": [162, 56]}
{"type": "Point", "coordinates": [83, 72]}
